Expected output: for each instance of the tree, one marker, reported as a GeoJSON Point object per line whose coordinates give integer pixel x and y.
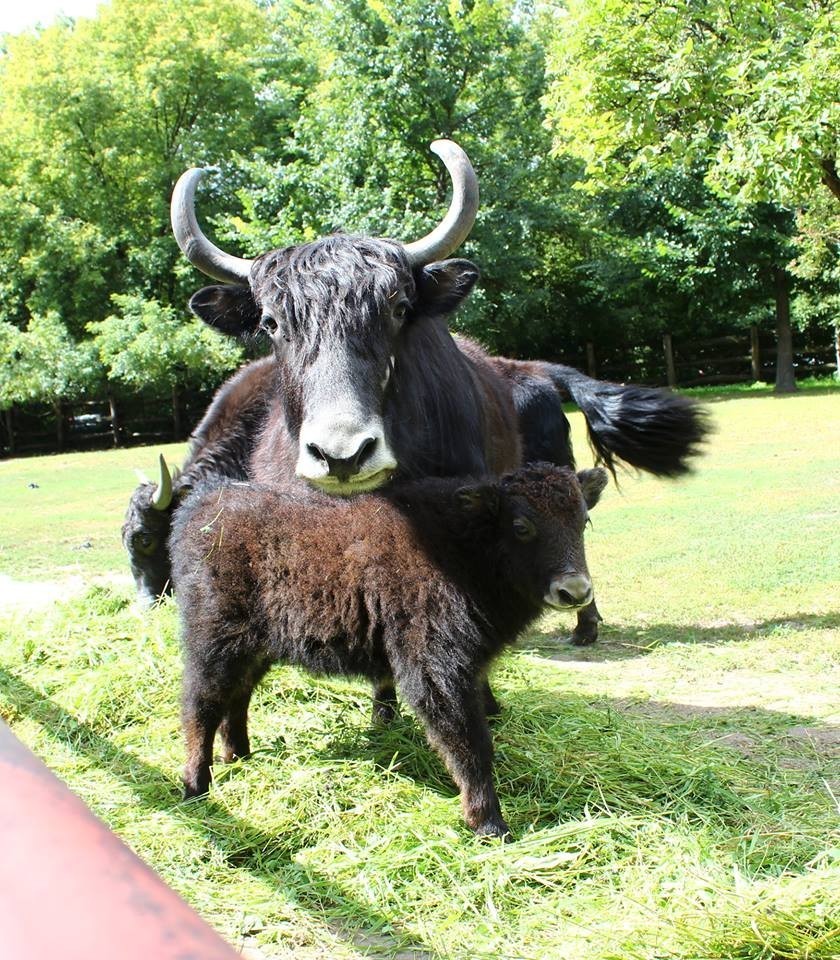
{"type": "Point", "coordinates": [731, 89]}
{"type": "Point", "coordinates": [46, 365]}
{"type": "Point", "coordinates": [147, 343]}
{"type": "Point", "coordinates": [98, 120]}
{"type": "Point", "coordinates": [389, 78]}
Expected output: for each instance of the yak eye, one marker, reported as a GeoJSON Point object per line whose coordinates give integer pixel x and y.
{"type": "Point", "coordinates": [401, 310]}
{"type": "Point", "coordinates": [143, 541]}
{"type": "Point", "coordinates": [268, 323]}
{"type": "Point", "coordinates": [524, 529]}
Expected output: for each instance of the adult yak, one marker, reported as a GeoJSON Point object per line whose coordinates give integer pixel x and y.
{"type": "Point", "coordinates": [370, 386]}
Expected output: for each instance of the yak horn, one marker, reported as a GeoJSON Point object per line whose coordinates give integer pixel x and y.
{"type": "Point", "coordinates": [163, 494]}
{"type": "Point", "coordinates": [447, 236]}
{"type": "Point", "coordinates": [201, 253]}
{"type": "Point", "coordinates": [451, 232]}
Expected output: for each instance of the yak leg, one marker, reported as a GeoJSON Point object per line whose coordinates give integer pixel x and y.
{"type": "Point", "coordinates": [201, 716]}
{"type": "Point", "coordinates": [492, 707]}
{"type": "Point", "coordinates": [234, 728]}
{"type": "Point", "coordinates": [384, 701]}
{"type": "Point", "coordinates": [457, 728]}
{"type": "Point", "coordinates": [586, 631]}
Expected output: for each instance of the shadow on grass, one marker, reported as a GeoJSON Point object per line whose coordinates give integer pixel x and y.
{"type": "Point", "coordinates": [559, 759]}
{"type": "Point", "coordinates": [241, 843]}
{"type": "Point", "coordinates": [628, 641]}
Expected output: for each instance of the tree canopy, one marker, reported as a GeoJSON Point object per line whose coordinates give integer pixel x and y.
{"type": "Point", "coordinates": [643, 167]}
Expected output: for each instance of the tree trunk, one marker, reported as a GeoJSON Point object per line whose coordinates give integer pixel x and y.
{"type": "Point", "coordinates": [670, 366]}
{"type": "Point", "coordinates": [836, 350]}
{"type": "Point", "coordinates": [591, 365]}
{"type": "Point", "coordinates": [10, 431]}
{"type": "Point", "coordinates": [58, 409]}
{"type": "Point", "coordinates": [755, 354]}
{"type": "Point", "coordinates": [115, 419]}
{"type": "Point", "coordinates": [785, 379]}
{"type": "Point", "coordinates": [176, 411]}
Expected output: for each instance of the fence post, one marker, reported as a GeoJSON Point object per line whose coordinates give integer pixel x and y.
{"type": "Point", "coordinates": [591, 365]}
{"type": "Point", "coordinates": [670, 367]}
{"type": "Point", "coordinates": [176, 411]}
{"type": "Point", "coordinates": [58, 409]}
{"type": "Point", "coordinates": [755, 353]}
{"type": "Point", "coordinates": [837, 349]}
{"type": "Point", "coordinates": [115, 419]}
{"type": "Point", "coordinates": [10, 430]}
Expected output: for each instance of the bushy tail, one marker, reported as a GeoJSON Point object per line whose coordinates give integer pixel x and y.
{"type": "Point", "coordinates": [651, 429]}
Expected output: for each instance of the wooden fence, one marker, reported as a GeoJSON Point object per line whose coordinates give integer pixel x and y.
{"type": "Point", "coordinates": [736, 358]}
{"type": "Point", "coordinates": [96, 424]}
{"type": "Point", "coordinates": [123, 421]}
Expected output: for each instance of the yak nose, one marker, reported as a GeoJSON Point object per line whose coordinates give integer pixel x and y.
{"type": "Point", "coordinates": [571, 591]}
{"type": "Point", "coordinates": [344, 467]}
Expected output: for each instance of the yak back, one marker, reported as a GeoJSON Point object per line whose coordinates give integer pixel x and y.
{"type": "Point", "coordinates": [342, 586]}
{"type": "Point", "coordinates": [223, 442]}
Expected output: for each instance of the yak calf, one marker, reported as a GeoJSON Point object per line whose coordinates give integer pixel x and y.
{"type": "Point", "coordinates": [419, 587]}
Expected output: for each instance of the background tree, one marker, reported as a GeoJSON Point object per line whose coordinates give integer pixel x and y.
{"type": "Point", "coordinates": [47, 365]}
{"type": "Point", "coordinates": [730, 89]}
{"type": "Point", "coordinates": [390, 77]}
{"type": "Point", "coordinates": [98, 119]}
{"type": "Point", "coordinates": [145, 342]}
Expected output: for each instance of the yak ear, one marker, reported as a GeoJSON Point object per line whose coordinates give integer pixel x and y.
{"type": "Point", "coordinates": [592, 483]}
{"type": "Point", "coordinates": [479, 498]}
{"type": "Point", "coordinates": [228, 309]}
{"type": "Point", "coordinates": [443, 285]}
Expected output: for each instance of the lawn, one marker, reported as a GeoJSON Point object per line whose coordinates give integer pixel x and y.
{"type": "Point", "coordinates": [674, 790]}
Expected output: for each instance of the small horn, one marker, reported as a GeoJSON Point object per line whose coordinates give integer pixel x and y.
{"type": "Point", "coordinates": [201, 253]}
{"type": "Point", "coordinates": [451, 232]}
{"type": "Point", "coordinates": [163, 494]}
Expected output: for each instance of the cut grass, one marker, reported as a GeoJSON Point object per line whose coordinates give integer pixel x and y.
{"type": "Point", "coordinates": [673, 789]}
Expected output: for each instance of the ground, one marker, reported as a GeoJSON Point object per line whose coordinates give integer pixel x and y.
{"type": "Point", "coordinates": [673, 790]}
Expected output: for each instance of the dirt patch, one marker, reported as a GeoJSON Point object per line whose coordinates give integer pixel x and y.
{"type": "Point", "coordinates": [22, 595]}
{"type": "Point", "coordinates": [824, 740]}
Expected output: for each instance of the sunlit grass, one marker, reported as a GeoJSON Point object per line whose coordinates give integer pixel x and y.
{"type": "Point", "coordinates": [673, 790]}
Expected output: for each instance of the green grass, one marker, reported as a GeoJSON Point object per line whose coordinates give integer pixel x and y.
{"type": "Point", "coordinates": [673, 790]}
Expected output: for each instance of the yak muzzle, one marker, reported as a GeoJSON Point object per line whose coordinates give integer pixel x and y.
{"type": "Point", "coordinates": [570, 592]}
{"type": "Point", "coordinates": [344, 457]}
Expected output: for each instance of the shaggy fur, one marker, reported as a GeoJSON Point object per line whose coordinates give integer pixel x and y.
{"type": "Point", "coordinates": [419, 587]}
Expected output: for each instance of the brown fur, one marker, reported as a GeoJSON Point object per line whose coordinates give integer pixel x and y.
{"type": "Point", "coordinates": [421, 587]}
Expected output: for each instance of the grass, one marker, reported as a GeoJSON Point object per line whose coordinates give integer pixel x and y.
{"type": "Point", "coordinates": [673, 790]}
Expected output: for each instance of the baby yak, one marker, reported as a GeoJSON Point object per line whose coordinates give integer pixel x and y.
{"type": "Point", "coordinates": [420, 588]}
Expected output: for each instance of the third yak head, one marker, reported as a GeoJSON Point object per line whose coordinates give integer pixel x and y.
{"type": "Point", "coordinates": [370, 382]}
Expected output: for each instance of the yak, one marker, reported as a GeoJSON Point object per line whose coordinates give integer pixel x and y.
{"type": "Point", "coordinates": [371, 387]}
{"type": "Point", "coordinates": [421, 586]}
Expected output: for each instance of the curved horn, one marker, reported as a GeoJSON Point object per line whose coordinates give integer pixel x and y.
{"type": "Point", "coordinates": [163, 494]}
{"type": "Point", "coordinates": [451, 232]}
{"type": "Point", "coordinates": [201, 253]}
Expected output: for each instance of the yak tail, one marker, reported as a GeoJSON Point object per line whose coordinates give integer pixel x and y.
{"type": "Point", "coordinates": [650, 429]}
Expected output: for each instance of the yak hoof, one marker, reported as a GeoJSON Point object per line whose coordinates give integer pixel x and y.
{"type": "Point", "coordinates": [494, 828]}
{"type": "Point", "coordinates": [382, 713]}
{"type": "Point", "coordinates": [584, 638]}
{"type": "Point", "coordinates": [195, 789]}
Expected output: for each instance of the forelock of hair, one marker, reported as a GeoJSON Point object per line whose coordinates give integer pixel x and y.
{"type": "Point", "coordinates": [544, 482]}
{"type": "Point", "coordinates": [334, 285]}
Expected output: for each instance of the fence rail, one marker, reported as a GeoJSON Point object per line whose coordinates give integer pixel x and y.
{"type": "Point", "coordinates": [125, 421]}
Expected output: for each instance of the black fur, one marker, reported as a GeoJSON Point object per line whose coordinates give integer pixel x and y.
{"type": "Point", "coordinates": [651, 429]}
{"type": "Point", "coordinates": [220, 447]}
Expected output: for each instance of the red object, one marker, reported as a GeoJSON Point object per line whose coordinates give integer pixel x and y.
{"type": "Point", "coordinates": [70, 888]}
